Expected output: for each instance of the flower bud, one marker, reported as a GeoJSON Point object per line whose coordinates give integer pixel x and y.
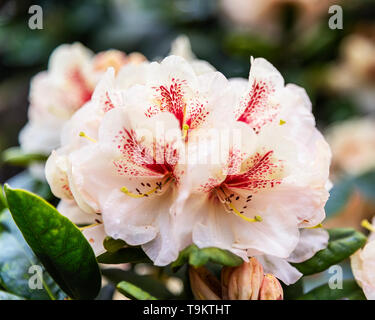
{"type": "Point", "coordinates": [225, 276]}
{"type": "Point", "coordinates": [136, 58]}
{"type": "Point", "coordinates": [204, 284]}
{"type": "Point", "coordinates": [244, 281]}
{"type": "Point", "coordinates": [271, 288]}
{"type": "Point", "coordinates": [110, 58]}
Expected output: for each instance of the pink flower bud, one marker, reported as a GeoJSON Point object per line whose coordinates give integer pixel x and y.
{"type": "Point", "coordinates": [226, 272]}
{"type": "Point", "coordinates": [245, 281]}
{"type": "Point", "coordinates": [271, 288]}
{"type": "Point", "coordinates": [204, 284]}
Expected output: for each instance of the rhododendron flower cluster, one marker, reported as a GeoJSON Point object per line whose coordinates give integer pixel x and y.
{"type": "Point", "coordinates": [179, 155]}
{"type": "Point", "coordinates": [55, 94]}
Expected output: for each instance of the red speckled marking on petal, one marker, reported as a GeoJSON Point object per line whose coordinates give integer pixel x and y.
{"type": "Point", "coordinates": [138, 160]}
{"type": "Point", "coordinates": [65, 187]}
{"type": "Point", "coordinates": [108, 104]}
{"type": "Point", "coordinates": [172, 99]}
{"type": "Point", "coordinates": [264, 171]}
{"type": "Point", "coordinates": [257, 110]}
{"type": "Point", "coordinates": [209, 185]}
{"type": "Point", "coordinates": [84, 91]}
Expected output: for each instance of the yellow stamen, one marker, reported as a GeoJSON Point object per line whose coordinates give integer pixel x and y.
{"type": "Point", "coordinates": [255, 219]}
{"type": "Point", "coordinates": [89, 226]}
{"type": "Point", "coordinates": [221, 194]}
{"type": "Point", "coordinates": [84, 135]}
{"type": "Point", "coordinates": [185, 129]}
{"type": "Point", "coordinates": [315, 227]}
{"type": "Point", "coordinates": [367, 225]}
{"type": "Point", "coordinates": [134, 195]}
{"type": "Point", "coordinates": [146, 194]}
{"type": "Point", "coordinates": [282, 122]}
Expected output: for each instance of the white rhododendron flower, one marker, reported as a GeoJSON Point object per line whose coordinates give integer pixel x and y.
{"type": "Point", "coordinates": [363, 265]}
{"type": "Point", "coordinates": [183, 157]}
{"type": "Point", "coordinates": [353, 145]}
{"type": "Point", "coordinates": [56, 94]}
{"type": "Point", "coordinates": [279, 179]}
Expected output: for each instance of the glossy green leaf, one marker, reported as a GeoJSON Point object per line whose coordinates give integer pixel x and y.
{"type": "Point", "coordinates": [152, 283]}
{"type": "Point", "coordinates": [343, 242]}
{"type": "Point", "coordinates": [15, 156]}
{"type": "Point", "coordinates": [198, 257]}
{"type": "Point", "coordinates": [57, 242]}
{"type": "Point", "coordinates": [3, 202]}
{"type": "Point", "coordinates": [16, 258]}
{"type": "Point", "coordinates": [350, 291]}
{"type": "Point", "coordinates": [131, 291]}
{"type": "Point", "coordinates": [124, 255]}
{"type": "Point", "coordinates": [339, 196]}
{"type": "Point", "coordinates": [113, 245]}
{"type": "Point", "coordinates": [293, 291]}
{"type": "Point", "coordinates": [8, 296]}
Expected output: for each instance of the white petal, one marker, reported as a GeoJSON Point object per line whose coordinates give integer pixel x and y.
{"type": "Point", "coordinates": [310, 242]}
{"type": "Point", "coordinates": [132, 74]}
{"type": "Point", "coordinates": [276, 234]}
{"type": "Point", "coordinates": [66, 56]}
{"type": "Point", "coordinates": [71, 210]}
{"type": "Point", "coordinates": [56, 172]}
{"type": "Point", "coordinates": [363, 264]}
{"type": "Point", "coordinates": [181, 47]}
{"type": "Point", "coordinates": [39, 138]}
{"type": "Point", "coordinates": [95, 236]}
{"type": "Point", "coordinates": [280, 268]}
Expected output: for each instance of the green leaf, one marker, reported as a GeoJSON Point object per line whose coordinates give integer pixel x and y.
{"type": "Point", "coordinates": [199, 257]}
{"type": "Point", "coordinates": [57, 242]}
{"type": "Point", "coordinates": [124, 255]}
{"type": "Point", "coordinates": [15, 156]}
{"type": "Point", "coordinates": [3, 202]}
{"type": "Point", "coordinates": [113, 245]}
{"type": "Point", "coordinates": [343, 242]}
{"type": "Point", "coordinates": [339, 196]}
{"type": "Point", "coordinates": [343, 189]}
{"type": "Point", "coordinates": [293, 291]}
{"type": "Point", "coordinates": [152, 283]}
{"type": "Point", "coordinates": [350, 291]}
{"type": "Point", "coordinates": [366, 184]}
{"type": "Point", "coordinates": [16, 258]}
{"type": "Point", "coordinates": [131, 291]}
{"type": "Point", "coordinates": [8, 296]}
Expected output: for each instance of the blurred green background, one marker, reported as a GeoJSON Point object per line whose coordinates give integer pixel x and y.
{"type": "Point", "coordinates": [303, 47]}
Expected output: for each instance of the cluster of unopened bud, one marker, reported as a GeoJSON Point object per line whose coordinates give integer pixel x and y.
{"type": "Point", "coordinates": [245, 282]}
